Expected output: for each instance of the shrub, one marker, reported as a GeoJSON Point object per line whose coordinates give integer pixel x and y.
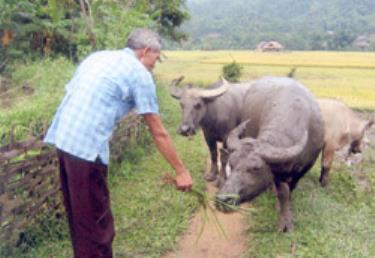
{"type": "Point", "coordinates": [232, 72]}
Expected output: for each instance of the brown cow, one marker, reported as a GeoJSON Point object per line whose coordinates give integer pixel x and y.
{"type": "Point", "coordinates": [342, 127]}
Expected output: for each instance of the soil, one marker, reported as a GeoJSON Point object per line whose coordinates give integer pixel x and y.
{"type": "Point", "coordinates": [213, 242]}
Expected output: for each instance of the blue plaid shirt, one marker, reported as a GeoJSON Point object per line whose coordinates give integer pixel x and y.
{"type": "Point", "coordinates": [105, 87]}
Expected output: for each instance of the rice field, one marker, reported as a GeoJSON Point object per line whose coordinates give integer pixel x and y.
{"type": "Point", "coordinates": [348, 76]}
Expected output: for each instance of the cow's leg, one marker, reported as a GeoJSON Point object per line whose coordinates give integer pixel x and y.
{"type": "Point", "coordinates": [212, 174]}
{"type": "Point", "coordinates": [224, 154]}
{"type": "Point", "coordinates": [285, 223]}
{"type": "Point", "coordinates": [326, 163]}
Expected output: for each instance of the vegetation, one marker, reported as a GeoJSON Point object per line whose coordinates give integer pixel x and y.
{"type": "Point", "coordinates": [296, 24]}
{"type": "Point", "coordinates": [74, 28]}
{"type": "Point", "coordinates": [41, 40]}
{"type": "Point", "coordinates": [232, 72]}
{"type": "Point", "coordinates": [348, 76]}
{"type": "Point", "coordinates": [334, 222]}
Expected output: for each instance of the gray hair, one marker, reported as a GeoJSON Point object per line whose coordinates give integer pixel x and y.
{"type": "Point", "coordinates": [144, 38]}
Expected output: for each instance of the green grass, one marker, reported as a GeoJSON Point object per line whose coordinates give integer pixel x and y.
{"type": "Point", "coordinates": [333, 222]}
{"type": "Point", "coordinates": [47, 78]}
{"type": "Point", "coordinates": [150, 217]}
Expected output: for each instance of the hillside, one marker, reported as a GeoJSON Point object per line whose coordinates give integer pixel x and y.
{"type": "Point", "coordinates": [296, 24]}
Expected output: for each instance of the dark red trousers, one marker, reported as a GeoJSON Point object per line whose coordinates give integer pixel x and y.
{"type": "Point", "coordinates": [87, 203]}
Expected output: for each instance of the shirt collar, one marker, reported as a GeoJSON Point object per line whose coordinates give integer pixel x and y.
{"type": "Point", "coordinates": [129, 51]}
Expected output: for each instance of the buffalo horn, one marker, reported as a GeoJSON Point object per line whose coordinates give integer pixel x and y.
{"type": "Point", "coordinates": [208, 94]}
{"type": "Point", "coordinates": [174, 91]}
{"type": "Point", "coordinates": [233, 141]}
{"type": "Point", "coordinates": [276, 155]}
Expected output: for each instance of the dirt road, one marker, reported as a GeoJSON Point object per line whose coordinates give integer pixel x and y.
{"type": "Point", "coordinates": [212, 243]}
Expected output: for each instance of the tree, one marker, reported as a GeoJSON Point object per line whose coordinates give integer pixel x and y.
{"type": "Point", "coordinates": [167, 16]}
{"type": "Point", "coordinates": [36, 28]}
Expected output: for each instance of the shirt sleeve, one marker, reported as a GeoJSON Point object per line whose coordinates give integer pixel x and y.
{"type": "Point", "coordinates": [144, 94]}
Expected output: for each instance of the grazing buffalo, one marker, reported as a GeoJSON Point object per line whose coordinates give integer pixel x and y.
{"type": "Point", "coordinates": [342, 127]}
{"type": "Point", "coordinates": [278, 145]}
{"type": "Point", "coordinates": [216, 110]}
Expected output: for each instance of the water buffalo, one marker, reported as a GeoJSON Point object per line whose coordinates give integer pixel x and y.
{"type": "Point", "coordinates": [216, 110]}
{"type": "Point", "coordinates": [278, 145]}
{"type": "Point", "coordinates": [342, 127]}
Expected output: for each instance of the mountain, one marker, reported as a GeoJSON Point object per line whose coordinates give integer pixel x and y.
{"type": "Point", "coordinates": [296, 24]}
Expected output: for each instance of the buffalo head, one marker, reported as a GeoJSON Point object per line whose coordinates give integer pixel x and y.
{"type": "Point", "coordinates": [356, 146]}
{"type": "Point", "coordinates": [250, 162]}
{"type": "Point", "coordinates": [193, 102]}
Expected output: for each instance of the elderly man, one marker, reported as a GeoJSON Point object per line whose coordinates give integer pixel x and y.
{"type": "Point", "coordinates": [105, 87]}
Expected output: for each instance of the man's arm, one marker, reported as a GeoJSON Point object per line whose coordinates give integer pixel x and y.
{"type": "Point", "coordinates": [166, 147]}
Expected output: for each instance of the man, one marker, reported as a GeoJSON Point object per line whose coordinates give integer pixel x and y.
{"type": "Point", "coordinates": [105, 87]}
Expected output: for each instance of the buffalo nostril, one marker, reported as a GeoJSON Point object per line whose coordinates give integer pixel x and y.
{"type": "Point", "coordinates": [226, 203]}
{"type": "Point", "coordinates": [184, 130]}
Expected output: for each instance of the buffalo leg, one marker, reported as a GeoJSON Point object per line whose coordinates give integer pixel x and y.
{"type": "Point", "coordinates": [212, 174]}
{"type": "Point", "coordinates": [327, 159]}
{"type": "Point", "coordinates": [224, 154]}
{"type": "Point", "coordinates": [285, 223]}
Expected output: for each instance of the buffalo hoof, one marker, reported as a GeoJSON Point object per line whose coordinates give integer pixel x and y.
{"type": "Point", "coordinates": [210, 177]}
{"type": "Point", "coordinates": [285, 226]}
{"type": "Point", "coordinates": [323, 181]}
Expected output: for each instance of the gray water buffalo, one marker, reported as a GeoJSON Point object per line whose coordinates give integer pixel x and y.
{"type": "Point", "coordinates": [278, 145]}
{"type": "Point", "coordinates": [342, 127]}
{"type": "Point", "coordinates": [217, 110]}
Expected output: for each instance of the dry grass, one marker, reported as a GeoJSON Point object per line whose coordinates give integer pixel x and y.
{"type": "Point", "coordinates": [348, 76]}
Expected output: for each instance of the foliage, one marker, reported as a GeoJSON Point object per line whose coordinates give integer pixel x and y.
{"type": "Point", "coordinates": [232, 71]}
{"type": "Point", "coordinates": [167, 16]}
{"type": "Point", "coordinates": [296, 24]}
{"type": "Point", "coordinates": [37, 28]}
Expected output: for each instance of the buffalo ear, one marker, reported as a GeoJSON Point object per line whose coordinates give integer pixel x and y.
{"type": "Point", "coordinates": [174, 91]}
{"type": "Point", "coordinates": [371, 121]}
{"type": "Point", "coordinates": [234, 137]}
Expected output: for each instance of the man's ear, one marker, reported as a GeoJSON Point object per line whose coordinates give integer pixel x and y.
{"type": "Point", "coordinates": [141, 52]}
{"type": "Point", "coordinates": [145, 51]}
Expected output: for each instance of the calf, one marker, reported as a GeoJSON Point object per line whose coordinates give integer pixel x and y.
{"type": "Point", "coordinates": [342, 127]}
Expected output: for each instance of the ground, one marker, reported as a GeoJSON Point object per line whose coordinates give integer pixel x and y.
{"type": "Point", "coordinates": [212, 242]}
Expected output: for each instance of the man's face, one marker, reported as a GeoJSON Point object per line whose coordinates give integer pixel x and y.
{"type": "Point", "coordinates": [149, 57]}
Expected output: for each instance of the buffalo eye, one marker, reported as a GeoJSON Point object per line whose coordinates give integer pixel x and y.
{"type": "Point", "coordinates": [198, 106]}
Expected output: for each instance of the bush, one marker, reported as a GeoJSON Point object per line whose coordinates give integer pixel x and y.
{"type": "Point", "coordinates": [232, 72]}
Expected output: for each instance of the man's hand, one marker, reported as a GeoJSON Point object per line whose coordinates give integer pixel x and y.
{"type": "Point", "coordinates": [184, 181]}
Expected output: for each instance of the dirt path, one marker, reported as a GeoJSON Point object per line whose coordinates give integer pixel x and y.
{"type": "Point", "coordinates": [212, 243]}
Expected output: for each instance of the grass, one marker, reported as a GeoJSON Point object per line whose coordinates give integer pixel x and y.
{"type": "Point", "coordinates": [150, 216]}
{"type": "Point", "coordinates": [333, 222]}
{"type": "Point", "coordinates": [47, 78]}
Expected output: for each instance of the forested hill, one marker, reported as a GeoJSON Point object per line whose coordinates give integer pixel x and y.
{"type": "Point", "coordinates": [296, 24]}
